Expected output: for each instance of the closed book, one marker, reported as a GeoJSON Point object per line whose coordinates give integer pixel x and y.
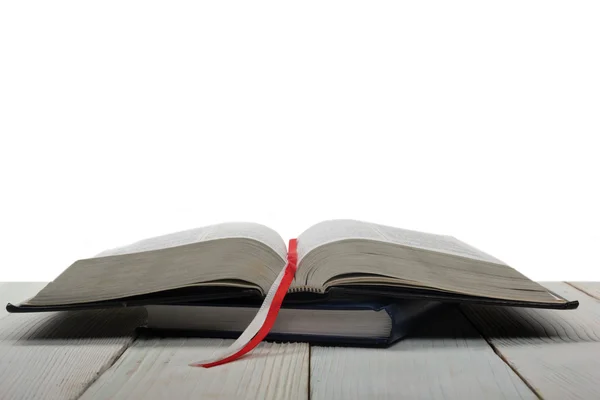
{"type": "Point", "coordinates": [339, 323]}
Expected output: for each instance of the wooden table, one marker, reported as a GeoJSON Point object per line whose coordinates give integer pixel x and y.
{"type": "Point", "coordinates": [470, 353]}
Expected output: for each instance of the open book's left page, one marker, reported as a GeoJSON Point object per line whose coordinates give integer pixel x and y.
{"type": "Point", "coordinates": [231, 254]}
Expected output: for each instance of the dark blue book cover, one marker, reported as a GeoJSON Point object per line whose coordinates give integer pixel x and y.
{"type": "Point", "coordinates": [404, 316]}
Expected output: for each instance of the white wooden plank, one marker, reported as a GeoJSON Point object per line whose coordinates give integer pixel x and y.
{"type": "Point", "coordinates": [556, 352]}
{"type": "Point", "coordinates": [589, 288]}
{"type": "Point", "coordinates": [58, 355]}
{"type": "Point", "coordinates": [445, 360]}
{"type": "Point", "coordinates": [157, 368]}
{"type": "Point", "coordinates": [16, 292]}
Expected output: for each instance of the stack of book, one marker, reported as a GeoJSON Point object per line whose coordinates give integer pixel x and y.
{"type": "Point", "coordinates": [356, 282]}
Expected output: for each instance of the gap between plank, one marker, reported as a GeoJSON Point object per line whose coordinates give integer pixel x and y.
{"type": "Point", "coordinates": [309, 370]}
{"type": "Point", "coordinates": [499, 354]}
{"type": "Point", "coordinates": [582, 291]}
{"type": "Point", "coordinates": [115, 359]}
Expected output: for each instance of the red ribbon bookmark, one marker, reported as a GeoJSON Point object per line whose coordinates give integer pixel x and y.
{"type": "Point", "coordinates": [264, 319]}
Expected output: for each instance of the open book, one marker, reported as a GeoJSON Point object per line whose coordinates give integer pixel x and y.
{"type": "Point", "coordinates": [337, 260]}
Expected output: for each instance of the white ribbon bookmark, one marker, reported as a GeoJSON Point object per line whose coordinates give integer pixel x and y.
{"type": "Point", "coordinates": [265, 317]}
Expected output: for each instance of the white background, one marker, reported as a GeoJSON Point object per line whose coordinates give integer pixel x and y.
{"type": "Point", "coordinates": [124, 120]}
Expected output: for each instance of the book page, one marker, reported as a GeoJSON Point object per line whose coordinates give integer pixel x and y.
{"type": "Point", "coordinates": [232, 254]}
{"type": "Point", "coordinates": [429, 241]}
{"type": "Point", "coordinates": [248, 230]}
{"type": "Point", "coordinates": [333, 231]}
{"type": "Point", "coordinates": [337, 230]}
{"type": "Point", "coordinates": [346, 253]}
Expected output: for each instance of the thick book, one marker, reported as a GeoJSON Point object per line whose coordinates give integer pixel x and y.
{"type": "Point", "coordinates": [331, 323]}
{"type": "Point", "coordinates": [339, 260]}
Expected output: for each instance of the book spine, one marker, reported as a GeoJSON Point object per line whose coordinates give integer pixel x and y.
{"type": "Point", "coordinates": [304, 289]}
{"type": "Point", "coordinates": [407, 317]}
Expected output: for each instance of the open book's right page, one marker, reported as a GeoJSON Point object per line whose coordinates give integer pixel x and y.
{"type": "Point", "coordinates": [348, 252]}
{"type": "Point", "coordinates": [343, 229]}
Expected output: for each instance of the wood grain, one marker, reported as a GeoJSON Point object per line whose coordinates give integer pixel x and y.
{"type": "Point", "coordinates": [58, 355]}
{"type": "Point", "coordinates": [590, 288]}
{"type": "Point", "coordinates": [16, 292]}
{"type": "Point", "coordinates": [556, 352]}
{"type": "Point", "coordinates": [157, 368]}
{"type": "Point", "coordinates": [447, 359]}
